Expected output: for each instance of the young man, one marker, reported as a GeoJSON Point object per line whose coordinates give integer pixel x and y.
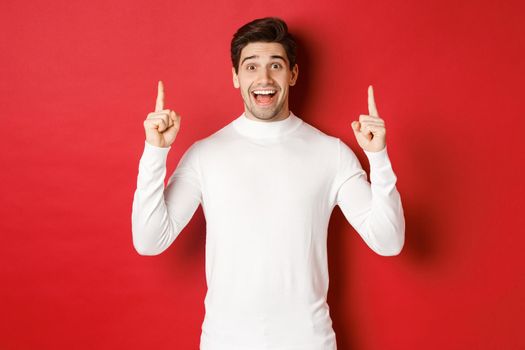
{"type": "Point", "coordinates": [267, 182]}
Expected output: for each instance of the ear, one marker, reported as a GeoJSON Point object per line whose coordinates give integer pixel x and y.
{"type": "Point", "coordinates": [235, 79]}
{"type": "Point", "coordinates": [295, 74]}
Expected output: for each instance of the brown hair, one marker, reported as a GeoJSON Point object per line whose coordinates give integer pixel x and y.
{"type": "Point", "coordinates": [268, 29]}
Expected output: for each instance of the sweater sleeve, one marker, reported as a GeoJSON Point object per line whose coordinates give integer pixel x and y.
{"type": "Point", "coordinates": [373, 208]}
{"type": "Point", "coordinates": [159, 214]}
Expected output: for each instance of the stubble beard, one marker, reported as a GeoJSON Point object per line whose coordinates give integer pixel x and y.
{"type": "Point", "coordinates": [261, 112]}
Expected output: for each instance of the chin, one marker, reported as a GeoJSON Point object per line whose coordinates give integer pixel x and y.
{"type": "Point", "coordinates": [265, 115]}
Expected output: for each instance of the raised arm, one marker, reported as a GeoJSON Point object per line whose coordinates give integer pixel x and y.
{"type": "Point", "coordinates": [159, 214]}
{"type": "Point", "coordinates": [373, 208]}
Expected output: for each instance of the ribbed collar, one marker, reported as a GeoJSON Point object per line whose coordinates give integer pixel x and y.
{"type": "Point", "coordinates": [260, 129]}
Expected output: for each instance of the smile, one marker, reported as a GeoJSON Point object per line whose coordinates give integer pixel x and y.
{"type": "Point", "coordinates": [264, 97]}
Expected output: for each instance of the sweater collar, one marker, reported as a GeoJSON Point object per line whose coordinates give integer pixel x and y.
{"type": "Point", "coordinates": [260, 129]}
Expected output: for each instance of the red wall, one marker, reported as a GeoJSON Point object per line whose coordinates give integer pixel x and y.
{"type": "Point", "coordinates": [78, 79]}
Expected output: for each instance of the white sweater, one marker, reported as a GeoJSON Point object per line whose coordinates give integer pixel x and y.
{"type": "Point", "coordinates": [267, 190]}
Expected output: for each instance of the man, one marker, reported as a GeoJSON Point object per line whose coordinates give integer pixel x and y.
{"type": "Point", "coordinates": [267, 182]}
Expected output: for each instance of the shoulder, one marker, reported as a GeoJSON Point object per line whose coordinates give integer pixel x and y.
{"type": "Point", "coordinates": [211, 140]}
{"type": "Point", "coordinates": [213, 145]}
{"type": "Point", "coordinates": [333, 144]}
{"type": "Point", "coordinates": [319, 137]}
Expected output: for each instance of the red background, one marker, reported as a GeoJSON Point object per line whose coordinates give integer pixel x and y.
{"type": "Point", "coordinates": [78, 79]}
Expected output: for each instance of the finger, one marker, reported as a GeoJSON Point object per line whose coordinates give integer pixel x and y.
{"type": "Point", "coordinates": [158, 124]}
{"type": "Point", "coordinates": [373, 129]}
{"type": "Point", "coordinates": [175, 120]}
{"type": "Point", "coordinates": [164, 121]}
{"type": "Point", "coordinates": [375, 125]}
{"type": "Point", "coordinates": [368, 118]}
{"type": "Point", "coordinates": [372, 109]}
{"type": "Point", "coordinates": [164, 115]}
{"type": "Point", "coordinates": [161, 124]}
{"type": "Point", "coordinates": [171, 118]}
{"type": "Point", "coordinates": [159, 106]}
{"type": "Point", "coordinates": [159, 113]}
{"type": "Point", "coordinates": [368, 129]}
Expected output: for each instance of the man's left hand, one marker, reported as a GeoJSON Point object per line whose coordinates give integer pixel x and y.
{"type": "Point", "coordinates": [370, 130]}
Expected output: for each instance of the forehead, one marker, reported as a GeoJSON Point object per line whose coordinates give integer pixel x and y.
{"type": "Point", "coordinates": [263, 50]}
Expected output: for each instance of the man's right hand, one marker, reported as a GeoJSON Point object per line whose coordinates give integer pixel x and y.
{"type": "Point", "coordinates": [161, 126]}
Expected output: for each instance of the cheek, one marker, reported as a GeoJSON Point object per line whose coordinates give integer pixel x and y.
{"type": "Point", "coordinates": [245, 93]}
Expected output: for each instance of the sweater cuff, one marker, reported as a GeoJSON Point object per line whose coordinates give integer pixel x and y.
{"type": "Point", "coordinates": [154, 152]}
{"type": "Point", "coordinates": [377, 159]}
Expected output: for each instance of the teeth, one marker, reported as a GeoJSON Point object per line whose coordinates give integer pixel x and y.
{"type": "Point", "coordinates": [264, 92]}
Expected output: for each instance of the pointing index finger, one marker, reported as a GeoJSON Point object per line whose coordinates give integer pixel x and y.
{"type": "Point", "coordinates": [159, 106]}
{"type": "Point", "coordinates": [372, 109]}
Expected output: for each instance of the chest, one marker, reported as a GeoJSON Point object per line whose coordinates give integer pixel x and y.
{"type": "Point", "coordinates": [264, 174]}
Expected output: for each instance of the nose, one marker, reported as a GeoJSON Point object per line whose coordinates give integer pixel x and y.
{"type": "Point", "coordinates": [265, 76]}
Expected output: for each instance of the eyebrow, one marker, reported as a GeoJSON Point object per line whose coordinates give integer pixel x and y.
{"type": "Point", "coordinates": [256, 56]}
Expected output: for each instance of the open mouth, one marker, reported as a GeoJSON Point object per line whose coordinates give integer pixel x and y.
{"type": "Point", "coordinates": [264, 96]}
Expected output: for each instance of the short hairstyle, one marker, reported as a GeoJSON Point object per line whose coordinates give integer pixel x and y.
{"type": "Point", "coordinates": [268, 29]}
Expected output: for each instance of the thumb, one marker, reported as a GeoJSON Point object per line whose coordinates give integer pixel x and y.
{"type": "Point", "coordinates": [356, 126]}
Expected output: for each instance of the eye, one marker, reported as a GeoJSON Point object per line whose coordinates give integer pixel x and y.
{"type": "Point", "coordinates": [276, 65]}
{"type": "Point", "coordinates": [250, 67]}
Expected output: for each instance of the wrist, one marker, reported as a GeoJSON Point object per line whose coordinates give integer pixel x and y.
{"type": "Point", "coordinates": [377, 158]}
{"type": "Point", "coordinates": [155, 144]}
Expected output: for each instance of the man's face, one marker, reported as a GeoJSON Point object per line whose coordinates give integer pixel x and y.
{"type": "Point", "coordinates": [264, 79]}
